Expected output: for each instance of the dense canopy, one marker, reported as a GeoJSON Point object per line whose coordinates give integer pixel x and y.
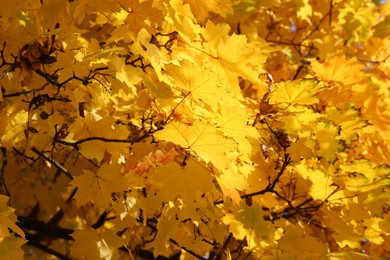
{"type": "Point", "coordinates": [132, 129]}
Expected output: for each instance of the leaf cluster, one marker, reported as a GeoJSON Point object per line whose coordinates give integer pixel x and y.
{"type": "Point", "coordinates": [194, 129]}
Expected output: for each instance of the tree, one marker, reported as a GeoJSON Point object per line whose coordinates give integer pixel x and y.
{"type": "Point", "coordinates": [224, 129]}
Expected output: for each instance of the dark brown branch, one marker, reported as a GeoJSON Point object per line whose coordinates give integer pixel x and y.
{"type": "Point", "coordinates": [34, 243]}
{"type": "Point", "coordinates": [11, 65]}
{"type": "Point", "coordinates": [270, 187]}
{"type": "Point", "coordinates": [93, 138]}
{"type": "Point", "coordinates": [282, 198]}
{"type": "Point", "coordinates": [16, 94]}
{"type": "Point", "coordinates": [100, 221]}
{"type": "Point", "coordinates": [224, 246]}
{"type": "Point", "coordinates": [187, 250]}
{"type": "Point", "coordinates": [49, 78]}
{"type": "Point", "coordinates": [41, 230]}
{"type": "Point", "coordinates": [286, 162]}
{"type": "Point", "coordinates": [315, 28]}
{"type": "Point", "coordinates": [54, 162]}
{"type": "Point", "coordinates": [44, 229]}
{"type": "Point", "coordinates": [71, 196]}
{"type": "Point", "coordinates": [297, 72]}
{"type": "Point", "coordinates": [107, 140]}
{"type": "Point", "coordinates": [4, 163]}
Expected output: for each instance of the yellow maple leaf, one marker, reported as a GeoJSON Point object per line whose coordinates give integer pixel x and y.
{"type": "Point", "coordinates": [97, 187]}
{"type": "Point", "coordinates": [295, 93]}
{"type": "Point", "coordinates": [201, 138]}
{"type": "Point", "coordinates": [345, 233]}
{"type": "Point", "coordinates": [233, 122]}
{"type": "Point", "coordinates": [362, 175]}
{"type": "Point", "coordinates": [198, 85]}
{"type": "Point", "coordinates": [7, 219]}
{"type": "Point", "coordinates": [12, 126]}
{"type": "Point", "coordinates": [184, 182]}
{"type": "Point", "coordinates": [248, 223]}
{"type": "Point", "coordinates": [238, 56]}
{"type": "Point", "coordinates": [299, 242]}
{"type": "Point", "coordinates": [10, 248]}
{"type": "Point", "coordinates": [348, 121]}
{"type": "Point", "coordinates": [234, 57]}
{"type": "Point", "coordinates": [141, 15]}
{"type": "Point", "coordinates": [126, 74]}
{"type": "Point", "coordinates": [302, 148]}
{"type": "Point", "coordinates": [299, 119]}
{"type": "Point", "coordinates": [377, 229]}
{"type": "Point", "coordinates": [201, 8]}
{"type": "Point", "coordinates": [338, 69]}
{"type": "Point", "coordinates": [305, 10]}
{"type": "Point", "coordinates": [320, 188]}
{"type": "Point", "coordinates": [91, 244]}
{"type": "Point", "coordinates": [167, 226]}
{"type": "Point", "coordinates": [231, 182]}
{"type": "Point", "coordinates": [327, 138]}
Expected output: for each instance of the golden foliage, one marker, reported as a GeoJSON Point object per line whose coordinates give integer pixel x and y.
{"type": "Point", "coordinates": [203, 129]}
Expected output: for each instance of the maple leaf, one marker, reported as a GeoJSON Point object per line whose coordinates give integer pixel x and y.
{"type": "Point", "coordinates": [95, 125]}
{"type": "Point", "coordinates": [12, 127]}
{"type": "Point", "coordinates": [167, 226]}
{"type": "Point", "coordinates": [297, 242]}
{"type": "Point", "coordinates": [202, 8]}
{"type": "Point", "coordinates": [231, 181]}
{"type": "Point", "coordinates": [338, 69]}
{"type": "Point", "coordinates": [97, 187]}
{"type": "Point", "coordinates": [237, 56]}
{"type": "Point", "coordinates": [321, 187]}
{"type": "Point", "coordinates": [298, 119]}
{"type": "Point", "coordinates": [198, 85]}
{"type": "Point", "coordinates": [382, 29]}
{"type": "Point", "coordinates": [377, 228]}
{"type": "Point", "coordinates": [123, 74]}
{"type": "Point", "coordinates": [248, 223]}
{"type": "Point", "coordinates": [294, 93]}
{"type": "Point", "coordinates": [183, 181]}
{"type": "Point", "coordinates": [303, 148]}
{"type": "Point", "coordinates": [362, 175]}
{"type": "Point", "coordinates": [201, 138]}
{"type": "Point", "coordinates": [349, 122]}
{"type": "Point", "coordinates": [10, 248]}
{"type": "Point", "coordinates": [327, 138]}
{"type": "Point", "coordinates": [141, 15]}
{"type": "Point", "coordinates": [345, 234]}
{"type": "Point", "coordinates": [92, 244]}
{"type": "Point", "coordinates": [305, 10]}
{"type": "Point", "coordinates": [166, 113]}
{"type": "Point", "coordinates": [233, 122]}
{"type": "Point", "coordinates": [8, 219]}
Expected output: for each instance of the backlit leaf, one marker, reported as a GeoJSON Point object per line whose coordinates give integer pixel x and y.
{"type": "Point", "coordinates": [201, 138]}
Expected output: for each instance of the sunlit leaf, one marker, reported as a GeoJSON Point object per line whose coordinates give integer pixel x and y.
{"type": "Point", "coordinates": [201, 138]}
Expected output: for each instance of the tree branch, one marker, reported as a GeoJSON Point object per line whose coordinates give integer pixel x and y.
{"type": "Point", "coordinates": [33, 242]}
{"type": "Point", "coordinates": [187, 250]}
{"type": "Point", "coordinates": [44, 229]}
{"type": "Point", "coordinates": [54, 162]}
{"type": "Point", "coordinates": [2, 172]}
